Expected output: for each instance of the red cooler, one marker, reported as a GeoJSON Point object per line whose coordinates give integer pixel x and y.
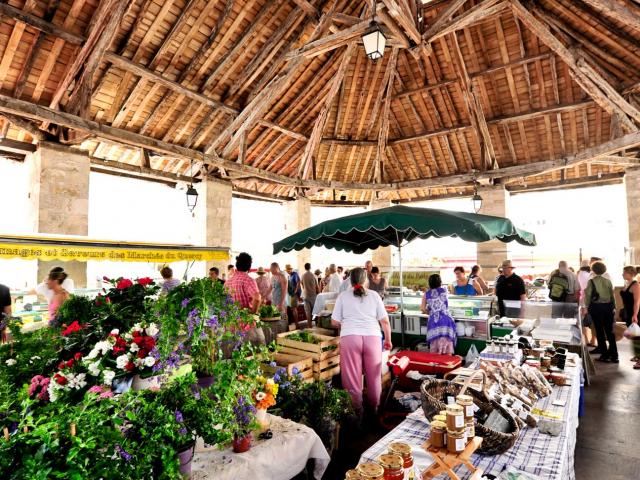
{"type": "Point", "coordinates": [423, 362]}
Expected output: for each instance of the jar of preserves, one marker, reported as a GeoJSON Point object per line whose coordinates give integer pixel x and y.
{"type": "Point", "coordinates": [471, 429]}
{"type": "Point", "coordinates": [352, 475]}
{"type": "Point", "coordinates": [438, 434]}
{"type": "Point", "coordinates": [392, 465]}
{"type": "Point", "coordinates": [370, 471]}
{"type": "Point", "coordinates": [440, 418]}
{"type": "Point", "coordinates": [404, 450]}
{"type": "Point", "coordinates": [456, 441]}
{"type": "Point", "coordinates": [455, 418]}
{"type": "Point", "coordinates": [466, 402]}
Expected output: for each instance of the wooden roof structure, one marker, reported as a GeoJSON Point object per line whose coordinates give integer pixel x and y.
{"type": "Point", "coordinates": [278, 96]}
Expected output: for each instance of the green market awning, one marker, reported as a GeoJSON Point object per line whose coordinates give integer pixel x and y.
{"type": "Point", "coordinates": [400, 224]}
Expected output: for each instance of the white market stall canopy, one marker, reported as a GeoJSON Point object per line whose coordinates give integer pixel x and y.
{"type": "Point", "coordinates": [81, 249]}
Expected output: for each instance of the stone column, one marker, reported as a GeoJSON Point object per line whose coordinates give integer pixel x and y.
{"type": "Point", "coordinates": [297, 217]}
{"type": "Point", "coordinates": [381, 256]}
{"type": "Point", "coordinates": [490, 254]}
{"type": "Point", "coordinates": [59, 200]}
{"type": "Point", "coordinates": [213, 212]}
{"type": "Point", "coordinates": [632, 185]}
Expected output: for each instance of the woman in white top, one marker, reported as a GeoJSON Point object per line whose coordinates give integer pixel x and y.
{"type": "Point", "coordinates": [359, 313]}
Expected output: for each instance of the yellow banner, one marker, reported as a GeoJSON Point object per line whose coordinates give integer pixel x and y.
{"type": "Point", "coordinates": [83, 253]}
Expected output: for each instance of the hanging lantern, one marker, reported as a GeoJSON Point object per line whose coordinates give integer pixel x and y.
{"type": "Point", "coordinates": [192, 197]}
{"type": "Point", "coordinates": [477, 201]}
{"type": "Point", "coordinates": [374, 42]}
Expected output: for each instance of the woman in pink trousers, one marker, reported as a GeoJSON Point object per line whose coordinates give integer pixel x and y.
{"type": "Point", "coordinates": [359, 313]}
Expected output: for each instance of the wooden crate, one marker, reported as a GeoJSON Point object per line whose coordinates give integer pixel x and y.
{"type": "Point", "coordinates": [289, 362]}
{"type": "Point", "coordinates": [327, 374]}
{"type": "Point", "coordinates": [327, 332]}
{"type": "Point", "coordinates": [327, 368]}
{"type": "Point", "coordinates": [317, 351]}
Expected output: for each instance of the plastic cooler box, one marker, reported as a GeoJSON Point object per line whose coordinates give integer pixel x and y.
{"type": "Point", "coordinates": [424, 362]}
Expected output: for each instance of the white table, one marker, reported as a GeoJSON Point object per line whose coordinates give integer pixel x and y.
{"type": "Point", "coordinates": [281, 458]}
{"type": "Point", "coordinates": [321, 301]}
{"type": "Point", "coordinates": [546, 457]}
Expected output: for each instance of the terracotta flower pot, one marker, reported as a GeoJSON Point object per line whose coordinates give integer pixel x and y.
{"type": "Point", "coordinates": [242, 444]}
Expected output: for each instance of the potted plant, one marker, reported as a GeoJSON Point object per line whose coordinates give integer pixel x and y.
{"type": "Point", "coordinates": [245, 423]}
{"type": "Point", "coordinates": [264, 397]}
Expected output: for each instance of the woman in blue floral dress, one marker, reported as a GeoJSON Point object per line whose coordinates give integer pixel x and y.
{"type": "Point", "coordinates": [441, 328]}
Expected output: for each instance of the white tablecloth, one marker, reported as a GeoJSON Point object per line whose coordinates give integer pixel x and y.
{"type": "Point", "coordinates": [321, 301]}
{"type": "Point", "coordinates": [280, 458]}
{"type": "Point", "coordinates": [549, 458]}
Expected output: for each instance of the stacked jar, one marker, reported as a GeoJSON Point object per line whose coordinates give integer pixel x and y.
{"type": "Point", "coordinates": [352, 475]}
{"type": "Point", "coordinates": [438, 434]}
{"type": "Point", "coordinates": [370, 471]}
{"type": "Point", "coordinates": [392, 466]}
{"type": "Point", "coordinates": [456, 429]}
{"type": "Point", "coordinates": [466, 402]}
{"type": "Point", "coordinates": [404, 450]}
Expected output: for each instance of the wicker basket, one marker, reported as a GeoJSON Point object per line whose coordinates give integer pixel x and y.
{"type": "Point", "coordinates": [434, 400]}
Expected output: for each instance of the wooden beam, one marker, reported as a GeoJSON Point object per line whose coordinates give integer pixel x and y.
{"type": "Point", "coordinates": [145, 161]}
{"type": "Point", "coordinates": [478, 13]}
{"type": "Point", "coordinates": [476, 112]}
{"type": "Point", "coordinates": [311, 148]}
{"type": "Point", "coordinates": [383, 133]}
{"type": "Point", "coordinates": [319, 46]}
{"type": "Point", "coordinates": [40, 24]}
{"type": "Point", "coordinates": [286, 131]}
{"type": "Point", "coordinates": [403, 19]}
{"type": "Point", "coordinates": [147, 74]}
{"type": "Point", "coordinates": [29, 127]}
{"type": "Point", "coordinates": [443, 17]}
{"type": "Point", "coordinates": [624, 12]}
{"type": "Point", "coordinates": [590, 80]}
{"type": "Point", "coordinates": [307, 8]}
{"type": "Point", "coordinates": [391, 24]}
{"type": "Point", "coordinates": [501, 120]}
{"type": "Point", "coordinates": [348, 143]}
{"type": "Point", "coordinates": [17, 146]}
{"type": "Point", "coordinates": [344, 19]}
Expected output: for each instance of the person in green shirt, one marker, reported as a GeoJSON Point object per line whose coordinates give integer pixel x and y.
{"type": "Point", "coordinates": [599, 301]}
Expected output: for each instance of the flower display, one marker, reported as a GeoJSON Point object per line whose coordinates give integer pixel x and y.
{"type": "Point", "coordinates": [72, 328]}
{"type": "Point", "coordinates": [124, 283]}
{"type": "Point", "coordinates": [265, 394]}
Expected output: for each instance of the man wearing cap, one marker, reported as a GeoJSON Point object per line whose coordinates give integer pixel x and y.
{"type": "Point", "coordinates": [264, 285]}
{"type": "Point", "coordinates": [509, 286]}
{"type": "Point", "coordinates": [309, 290]}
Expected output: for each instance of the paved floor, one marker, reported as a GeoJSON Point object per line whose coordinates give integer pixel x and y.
{"type": "Point", "coordinates": [608, 446]}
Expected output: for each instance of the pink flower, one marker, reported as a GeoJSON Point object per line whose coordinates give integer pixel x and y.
{"type": "Point", "coordinates": [95, 389]}
{"type": "Point", "coordinates": [107, 394]}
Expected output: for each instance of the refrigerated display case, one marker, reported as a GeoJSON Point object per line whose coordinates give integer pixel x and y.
{"type": "Point", "coordinates": [472, 316]}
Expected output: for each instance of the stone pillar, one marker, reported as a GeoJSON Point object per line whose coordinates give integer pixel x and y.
{"type": "Point", "coordinates": [381, 256]}
{"type": "Point", "coordinates": [213, 212]}
{"type": "Point", "coordinates": [490, 254]}
{"type": "Point", "coordinates": [59, 200]}
{"type": "Point", "coordinates": [632, 185]}
{"type": "Point", "coordinates": [297, 217]}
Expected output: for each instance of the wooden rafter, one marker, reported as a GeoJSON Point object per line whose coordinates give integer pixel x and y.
{"type": "Point", "coordinates": [583, 73]}
{"type": "Point", "coordinates": [625, 12]}
{"type": "Point", "coordinates": [482, 11]}
{"type": "Point", "coordinates": [403, 18]}
{"type": "Point", "coordinates": [312, 145]}
{"type": "Point", "coordinates": [443, 17]}
{"type": "Point", "coordinates": [307, 8]}
{"type": "Point", "coordinates": [383, 131]}
{"type": "Point", "coordinates": [476, 112]}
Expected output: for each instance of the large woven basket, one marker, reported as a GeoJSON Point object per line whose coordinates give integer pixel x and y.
{"type": "Point", "coordinates": [434, 399]}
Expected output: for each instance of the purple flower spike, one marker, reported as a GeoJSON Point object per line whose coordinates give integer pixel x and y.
{"type": "Point", "coordinates": [182, 431]}
{"type": "Point", "coordinates": [184, 303]}
{"type": "Point", "coordinates": [126, 456]}
{"type": "Point", "coordinates": [179, 416]}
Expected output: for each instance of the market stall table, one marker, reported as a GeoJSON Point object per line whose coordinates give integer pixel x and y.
{"type": "Point", "coordinates": [279, 458]}
{"type": "Point", "coordinates": [536, 453]}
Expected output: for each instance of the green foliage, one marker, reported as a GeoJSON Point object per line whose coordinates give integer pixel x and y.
{"type": "Point", "coordinates": [305, 337]}
{"type": "Point", "coordinates": [269, 311]}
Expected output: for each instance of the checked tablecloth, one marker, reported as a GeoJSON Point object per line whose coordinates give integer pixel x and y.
{"type": "Point", "coordinates": [534, 452]}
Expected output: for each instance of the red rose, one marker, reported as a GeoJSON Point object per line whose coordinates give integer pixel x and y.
{"type": "Point", "coordinates": [61, 366]}
{"type": "Point", "coordinates": [124, 283]}
{"type": "Point", "coordinates": [141, 354]}
{"type": "Point", "coordinates": [77, 356]}
{"type": "Point", "coordinates": [135, 334]}
{"type": "Point", "coordinates": [107, 299]}
{"type": "Point", "coordinates": [60, 380]}
{"type": "Point", "coordinates": [70, 363]}
{"type": "Point", "coordinates": [117, 350]}
{"type": "Point", "coordinates": [74, 327]}
{"type": "Point", "coordinates": [145, 281]}
{"type": "Point", "coordinates": [121, 342]}
{"type": "Point", "coordinates": [129, 366]}
{"type": "Point", "coordinates": [106, 279]}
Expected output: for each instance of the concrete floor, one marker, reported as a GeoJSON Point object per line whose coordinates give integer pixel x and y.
{"type": "Point", "coordinates": [608, 446]}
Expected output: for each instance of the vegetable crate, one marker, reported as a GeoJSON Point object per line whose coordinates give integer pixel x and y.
{"type": "Point", "coordinates": [325, 353]}
{"type": "Point", "coordinates": [289, 362]}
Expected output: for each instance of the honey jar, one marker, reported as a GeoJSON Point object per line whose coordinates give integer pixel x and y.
{"type": "Point", "coordinates": [352, 475]}
{"type": "Point", "coordinates": [404, 450]}
{"type": "Point", "coordinates": [392, 466]}
{"type": "Point", "coordinates": [455, 418]}
{"type": "Point", "coordinates": [370, 471]}
{"type": "Point", "coordinates": [440, 418]}
{"type": "Point", "coordinates": [466, 402]}
{"type": "Point", "coordinates": [456, 441]}
{"type": "Point", "coordinates": [438, 434]}
{"type": "Point", "coordinates": [470, 429]}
